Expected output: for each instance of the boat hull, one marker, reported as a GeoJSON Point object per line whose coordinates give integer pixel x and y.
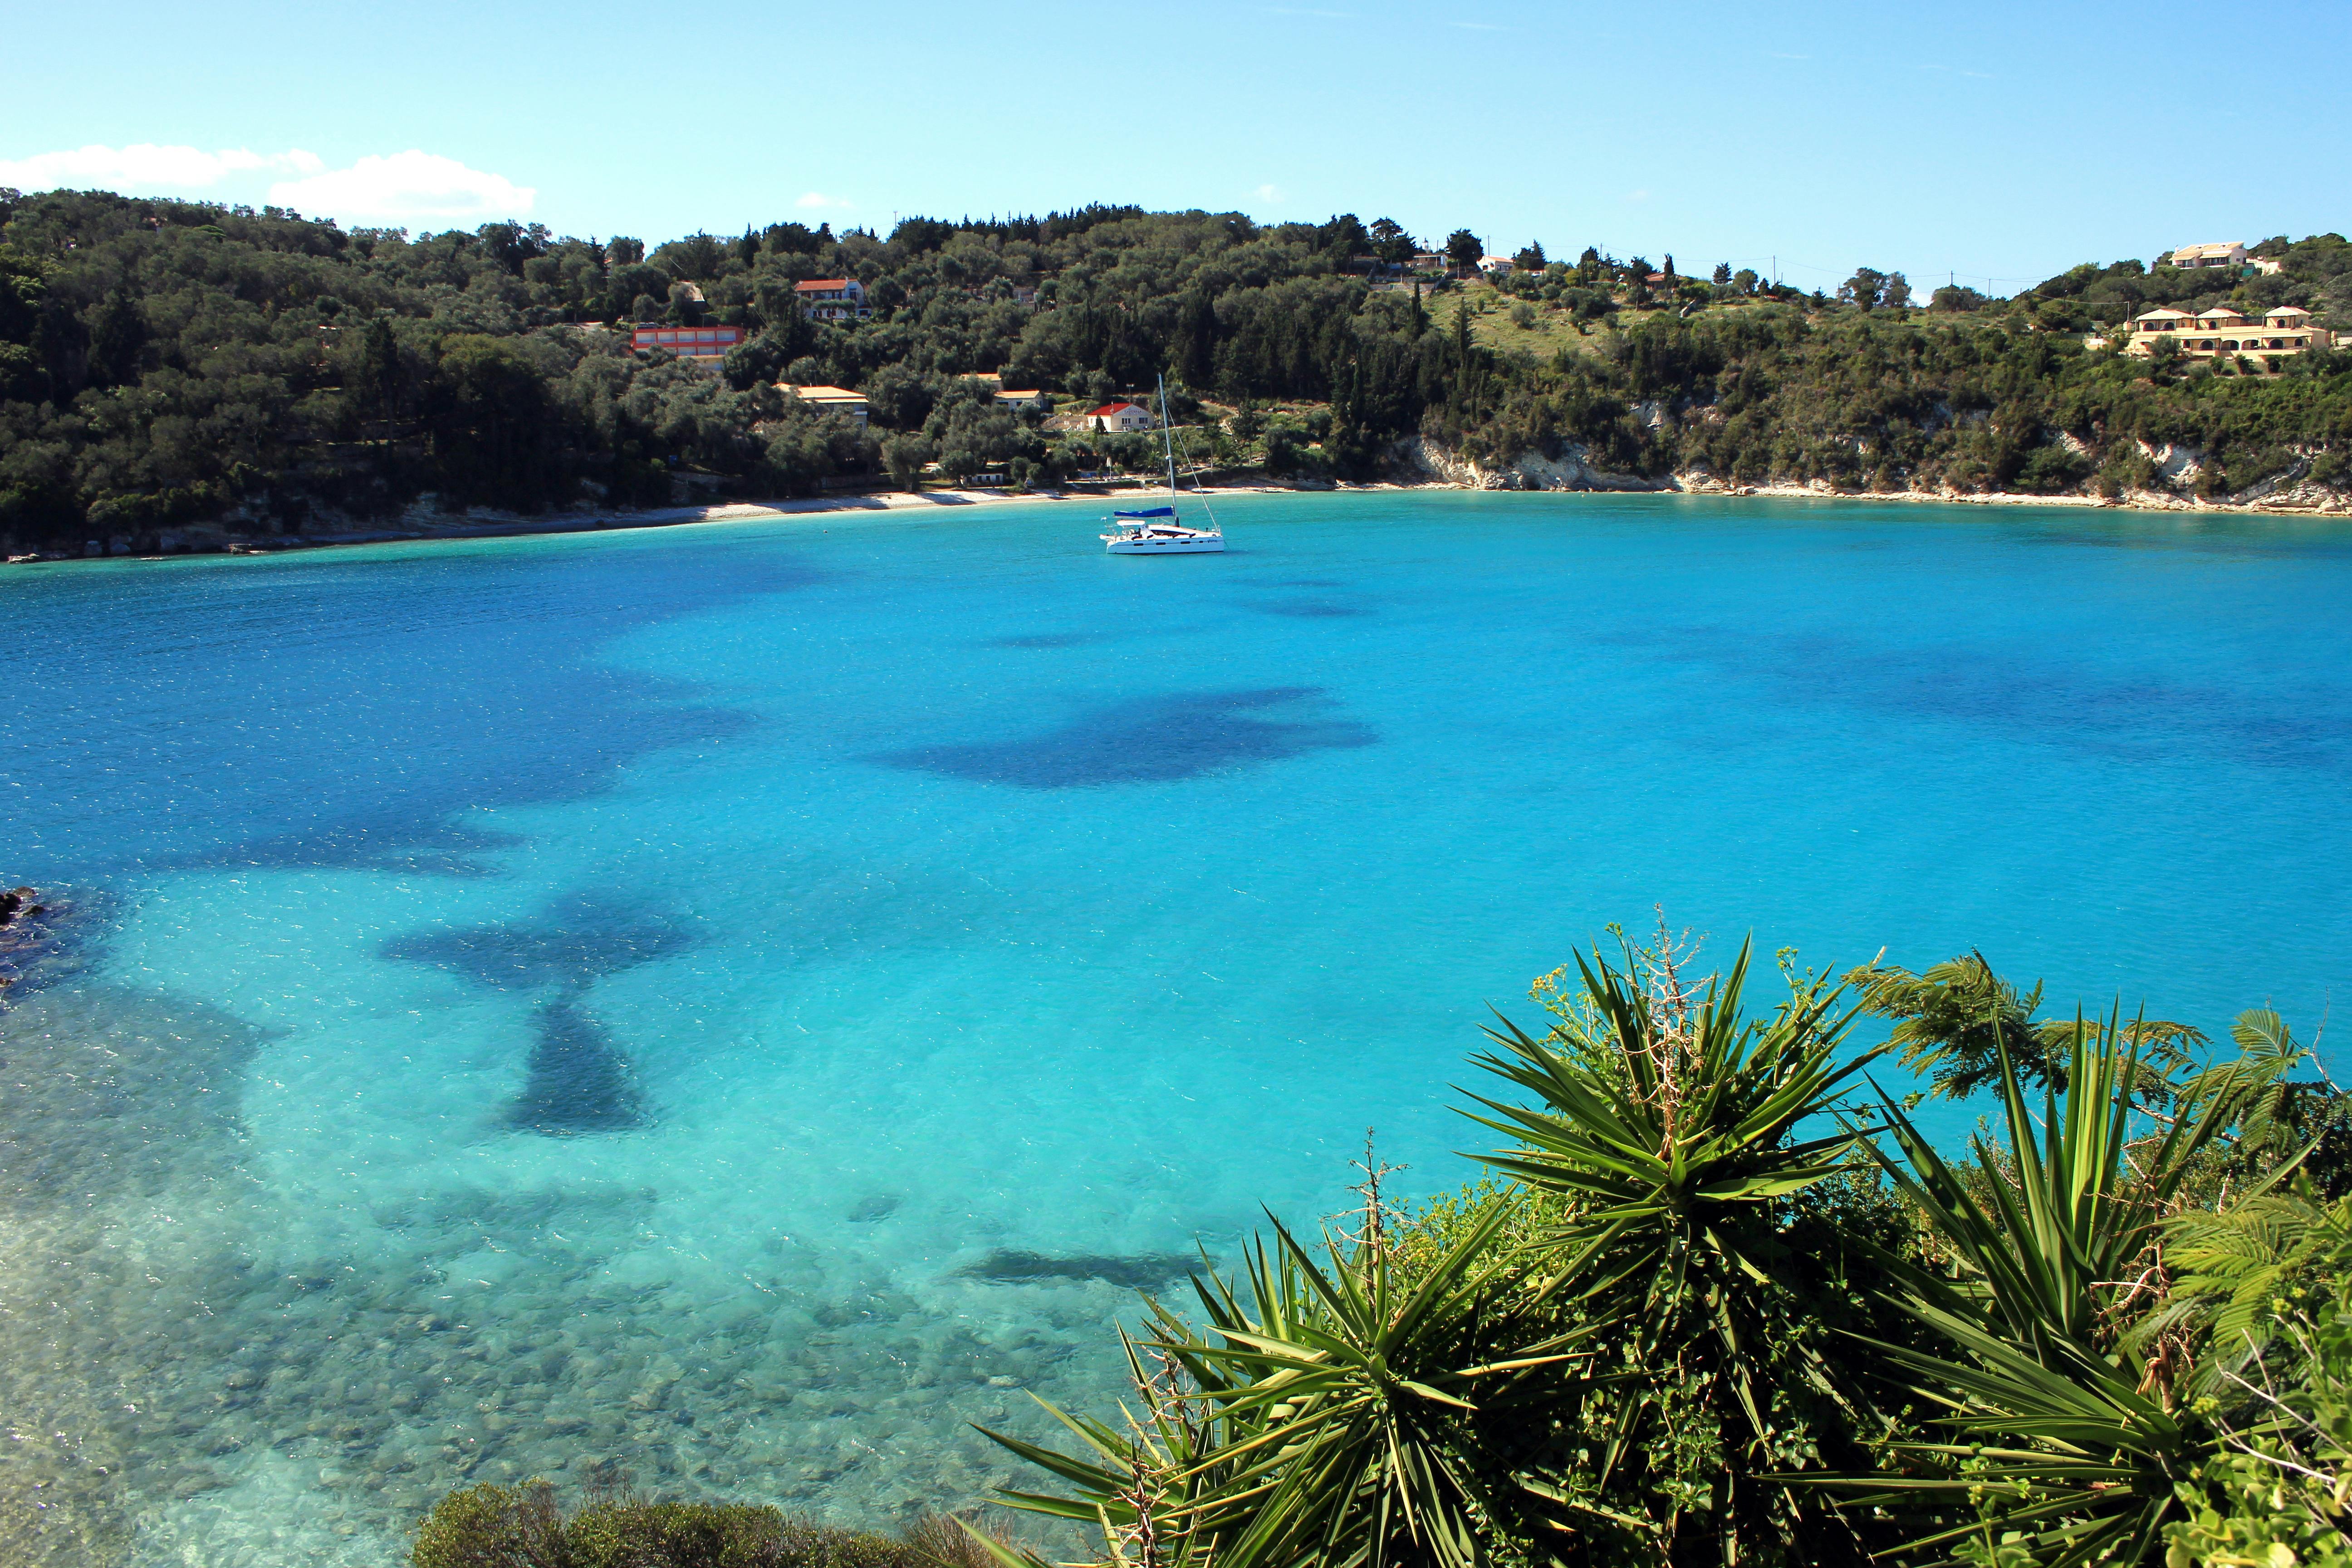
{"type": "Point", "coordinates": [1211, 546]}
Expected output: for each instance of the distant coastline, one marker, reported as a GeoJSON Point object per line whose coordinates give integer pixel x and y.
{"type": "Point", "coordinates": [484, 523]}
{"type": "Point", "coordinates": [333, 389]}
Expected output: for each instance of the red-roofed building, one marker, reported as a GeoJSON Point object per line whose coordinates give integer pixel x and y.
{"type": "Point", "coordinates": [688, 342]}
{"type": "Point", "coordinates": [1118, 419]}
{"type": "Point", "coordinates": [832, 299]}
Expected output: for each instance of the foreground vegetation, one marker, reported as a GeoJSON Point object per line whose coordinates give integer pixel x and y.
{"type": "Point", "coordinates": [492, 1526]}
{"type": "Point", "coordinates": [1721, 1302]}
{"type": "Point", "coordinates": [165, 363]}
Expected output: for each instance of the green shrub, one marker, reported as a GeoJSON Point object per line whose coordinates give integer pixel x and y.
{"type": "Point", "coordinates": [2266, 1517]}
{"type": "Point", "coordinates": [493, 1527]}
{"type": "Point", "coordinates": [683, 1535]}
{"type": "Point", "coordinates": [2278, 1494]}
{"type": "Point", "coordinates": [524, 1527]}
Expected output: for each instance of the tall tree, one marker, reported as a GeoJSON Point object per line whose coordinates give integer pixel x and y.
{"type": "Point", "coordinates": [1865, 289]}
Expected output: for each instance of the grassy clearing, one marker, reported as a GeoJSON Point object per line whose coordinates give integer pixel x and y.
{"type": "Point", "coordinates": [1554, 330]}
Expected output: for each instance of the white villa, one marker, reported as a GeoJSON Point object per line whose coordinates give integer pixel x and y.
{"type": "Point", "coordinates": [832, 299]}
{"type": "Point", "coordinates": [2220, 253]}
{"type": "Point", "coordinates": [2221, 330]}
{"type": "Point", "coordinates": [2228, 253]}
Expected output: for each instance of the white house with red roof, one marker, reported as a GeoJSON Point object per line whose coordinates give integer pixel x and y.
{"type": "Point", "coordinates": [1119, 418]}
{"type": "Point", "coordinates": [832, 299]}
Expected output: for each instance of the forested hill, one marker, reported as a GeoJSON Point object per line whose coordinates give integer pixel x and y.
{"type": "Point", "coordinates": [163, 364]}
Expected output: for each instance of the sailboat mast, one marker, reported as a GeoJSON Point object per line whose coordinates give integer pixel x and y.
{"type": "Point", "coordinates": [1167, 440]}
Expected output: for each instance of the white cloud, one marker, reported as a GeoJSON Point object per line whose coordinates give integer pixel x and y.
{"type": "Point", "coordinates": [405, 185]}
{"type": "Point", "coordinates": [1268, 193]}
{"type": "Point", "coordinates": [819, 199]}
{"type": "Point", "coordinates": [144, 166]}
{"type": "Point", "coordinates": [401, 186]}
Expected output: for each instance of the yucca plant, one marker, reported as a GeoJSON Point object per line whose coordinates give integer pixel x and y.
{"type": "Point", "coordinates": [1138, 1483]}
{"type": "Point", "coordinates": [1318, 1417]}
{"type": "Point", "coordinates": [1680, 1132]}
{"type": "Point", "coordinates": [2064, 1448]}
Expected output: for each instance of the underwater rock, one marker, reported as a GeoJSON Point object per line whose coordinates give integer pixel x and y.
{"type": "Point", "coordinates": [1149, 740]}
{"type": "Point", "coordinates": [34, 932]}
{"type": "Point", "coordinates": [1049, 640]}
{"type": "Point", "coordinates": [1139, 1271]}
{"type": "Point", "coordinates": [1312, 609]}
{"type": "Point", "coordinates": [579, 1080]}
{"type": "Point", "coordinates": [104, 1091]}
{"type": "Point", "coordinates": [574, 942]}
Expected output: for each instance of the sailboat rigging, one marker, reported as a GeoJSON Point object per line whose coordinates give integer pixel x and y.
{"type": "Point", "coordinates": [1158, 531]}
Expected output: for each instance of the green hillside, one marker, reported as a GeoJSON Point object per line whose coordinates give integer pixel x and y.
{"type": "Point", "coordinates": [163, 364]}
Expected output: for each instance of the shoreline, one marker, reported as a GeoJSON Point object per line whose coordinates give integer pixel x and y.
{"type": "Point", "coordinates": [488, 525]}
{"type": "Point", "coordinates": [2146, 501]}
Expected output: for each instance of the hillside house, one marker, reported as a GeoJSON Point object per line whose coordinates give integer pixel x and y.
{"type": "Point", "coordinates": [831, 400]}
{"type": "Point", "coordinates": [832, 299]}
{"type": "Point", "coordinates": [688, 342]}
{"type": "Point", "coordinates": [2287, 330]}
{"type": "Point", "coordinates": [1496, 266]}
{"type": "Point", "coordinates": [2220, 253]}
{"type": "Point", "coordinates": [2229, 254]}
{"type": "Point", "coordinates": [1118, 419]}
{"type": "Point", "coordinates": [1013, 402]}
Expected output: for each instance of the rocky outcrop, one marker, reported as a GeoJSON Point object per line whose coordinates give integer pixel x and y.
{"type": "Point", "coordinates": [1428, 462]}
{"type": "Point", "coordinates": [30, 934]}
{"type": "Point", "coordinates": [1570, 470]}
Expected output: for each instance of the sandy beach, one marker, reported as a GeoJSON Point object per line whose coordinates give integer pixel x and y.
{"type": "Point", "coordinates": [482, 524]}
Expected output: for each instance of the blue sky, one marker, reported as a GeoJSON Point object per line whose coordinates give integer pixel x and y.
{"type": "Point", "coordinates": [2002, 141]}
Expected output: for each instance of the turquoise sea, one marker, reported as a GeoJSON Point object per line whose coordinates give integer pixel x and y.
{"type": "Point", "coordinates": [747, 1000]}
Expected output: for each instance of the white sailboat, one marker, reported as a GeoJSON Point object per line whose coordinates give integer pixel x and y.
{"type": "Point", "coordinates": [1157, 531]}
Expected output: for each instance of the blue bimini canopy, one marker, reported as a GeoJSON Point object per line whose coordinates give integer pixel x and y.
{"type": "Point", "coordinates": [1155, 512]}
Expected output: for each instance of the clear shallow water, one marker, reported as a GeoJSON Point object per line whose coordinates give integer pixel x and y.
{"type": "Point", "coordinates": [747, 1000]}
